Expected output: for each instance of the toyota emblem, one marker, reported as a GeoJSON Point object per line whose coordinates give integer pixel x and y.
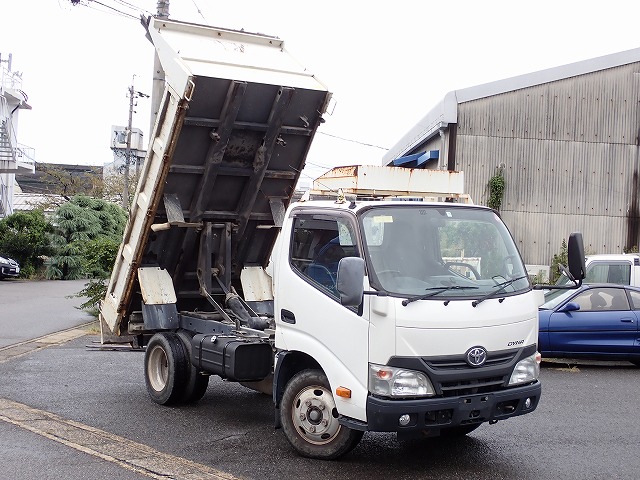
{"type": "Point", "coordinates": [476, 356]}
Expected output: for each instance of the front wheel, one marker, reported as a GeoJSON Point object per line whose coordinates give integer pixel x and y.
{"type": "Point", "coordinates": [309, 418]}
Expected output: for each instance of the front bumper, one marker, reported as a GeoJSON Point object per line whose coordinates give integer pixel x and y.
{"type": "Point", "coordinates": [8, 270]}
{"type": "Point", "coordinates": [434, 414]}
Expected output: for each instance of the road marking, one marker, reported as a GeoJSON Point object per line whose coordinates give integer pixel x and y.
{"type": "Point", "coordinates": [18, 349]}
{"type": "Point", "coordinates": [130, 455]}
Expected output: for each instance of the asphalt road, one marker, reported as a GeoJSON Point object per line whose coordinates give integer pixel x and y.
{"type": "Point", "coordinates": [32, 309]}
{"type": "Point", "coordinates": [72, 410]}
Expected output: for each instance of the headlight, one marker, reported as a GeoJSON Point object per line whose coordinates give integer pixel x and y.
{"type": "Point", "coordinates": [398, 382]}
{"type": "Point", "coordinates": [526, 370]}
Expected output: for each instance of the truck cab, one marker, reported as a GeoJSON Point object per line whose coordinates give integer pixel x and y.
{"type": "Point", "coordinates": [442, 340]}
{"type": "Point", "coordinates": [622, 269]}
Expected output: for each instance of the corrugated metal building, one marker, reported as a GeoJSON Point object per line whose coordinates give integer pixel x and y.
{"type": "Point", "coordinates": [567, 141]}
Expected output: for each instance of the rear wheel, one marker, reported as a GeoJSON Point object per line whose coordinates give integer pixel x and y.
{"type": "Point", "coordinates": [309, 418]}
{"type": "Point", "coordinates": [196, 384]}
{"type": "Point", "coordinates": [165, 368]}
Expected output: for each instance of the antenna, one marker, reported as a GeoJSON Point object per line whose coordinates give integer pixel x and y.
{"type": "Point", "coordinates": [8, 61]}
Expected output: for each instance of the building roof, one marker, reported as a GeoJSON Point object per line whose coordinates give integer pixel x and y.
{"type": "Point", "coordinates": [48, 178]}
{"type": "Point", "coordinates": [31, 201]}
{"type": "Point", "coordinates": [446, 111]}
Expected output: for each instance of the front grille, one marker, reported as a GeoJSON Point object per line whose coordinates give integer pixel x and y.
{"type": "Point", "coordinates": [471, 386]}
{"type": "Point", "coordinates": [459, 361]}
{"type": "Point", "coordinates": [451, 376]}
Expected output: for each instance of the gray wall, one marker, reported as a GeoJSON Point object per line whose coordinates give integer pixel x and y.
{"type": "Point", "coordinates": [569, 154]}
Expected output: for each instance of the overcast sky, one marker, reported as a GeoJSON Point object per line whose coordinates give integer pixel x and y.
{"type": "Point", "coordinates": [387, 64]}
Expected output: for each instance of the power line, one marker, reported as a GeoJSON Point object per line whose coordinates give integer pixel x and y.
{"type": "Point", "coordinates": [353, 141]}
{"type": "Point", "coordinates": [90, 3]}
{"type": "Point", "coordinates": [198, 9]}
{"type": "Point", "coordinates": [133, 7]}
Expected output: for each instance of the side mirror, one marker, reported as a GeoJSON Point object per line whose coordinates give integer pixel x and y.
{"type": "Point", "coordinates": [576, 269]}
{"type": "Point", "coordinates": [569, 307]}
{"type": "Point", "coordinates": [575, 257]}
{"type": "Point", "coordinates": [350, 281]}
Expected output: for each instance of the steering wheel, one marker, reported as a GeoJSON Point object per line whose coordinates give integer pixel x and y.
{"type": "Point", "coordinates": [509, 266]}
{"type": "Point", "coordinates": [464, 264]}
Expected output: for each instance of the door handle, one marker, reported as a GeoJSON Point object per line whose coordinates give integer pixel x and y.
{"type": "Point", "coordinates": [626, 320]}
{"type": "Point", "coordinates": [287, 317]}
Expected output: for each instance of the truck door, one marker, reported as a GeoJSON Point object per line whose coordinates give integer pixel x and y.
{"type": "Point", "coordinates": [310, 317]}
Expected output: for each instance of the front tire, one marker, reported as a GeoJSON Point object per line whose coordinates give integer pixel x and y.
{"type": "Point", "coordinates": [309, 418]}
{"type": "Point", "coordinates": [165, 368]}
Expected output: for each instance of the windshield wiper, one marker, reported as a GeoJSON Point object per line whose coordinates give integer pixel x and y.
{"type": "Point", "coordinates": [437, 290]}
{"type": "Point", "coordinates": [501, 287]}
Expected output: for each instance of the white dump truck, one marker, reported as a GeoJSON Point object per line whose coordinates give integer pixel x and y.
{"type": "Point", "coordinates": [369, 318]}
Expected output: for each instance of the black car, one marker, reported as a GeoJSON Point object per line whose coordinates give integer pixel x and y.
{"type": "Point", "coordinates": [8, 267]}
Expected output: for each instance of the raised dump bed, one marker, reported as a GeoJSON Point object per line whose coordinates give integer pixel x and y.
{"type": "Point", "coordinates": [236, 121]}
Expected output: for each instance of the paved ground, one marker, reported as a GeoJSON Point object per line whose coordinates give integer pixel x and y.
{"type": "Point", "coordinates": [32, 309]}
{"type": "Point", "coordinates": [70, 410]}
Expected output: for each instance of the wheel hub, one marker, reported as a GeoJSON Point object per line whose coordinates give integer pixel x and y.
{"type": "Point", "coordinates": [313, 415]}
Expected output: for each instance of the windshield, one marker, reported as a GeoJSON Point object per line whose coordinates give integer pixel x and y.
{"type": "Point", "coordinates": [456, 252]}
{"type": "Point", "coordinates": [553, 298]}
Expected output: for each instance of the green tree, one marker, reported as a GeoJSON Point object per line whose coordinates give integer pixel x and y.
{"type": "Point", "coordinates": [77, 224]}
{"type": "Point", "coordinates": [99, 255]}
{"type": "Point", "coordinates": [560, 258]}
{"type": "Point", "coordinates": [24, 237]}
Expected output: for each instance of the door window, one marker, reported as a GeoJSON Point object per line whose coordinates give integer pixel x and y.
{"type": "Point", "coordinates": [635, 299]}
{"type": "Point", "coordinates": [319, 243]}
{"type": "Point", "coordinates": [602, 299]}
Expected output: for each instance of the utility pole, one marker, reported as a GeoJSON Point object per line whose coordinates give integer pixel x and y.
{"type": "Point", "coordinates": [127, 155]}
{"type": "Point", "coordinates": [133, 94]}
{"type": "Point", "coordinates": [158, 73]}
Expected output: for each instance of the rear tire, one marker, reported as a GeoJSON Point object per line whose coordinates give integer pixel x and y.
{"type": "Point", "coordinates": [165, 368]}
{"type": "Point", "coordinates": [196, 385]}
{"type": "Point", "coordinates": [309, 418]}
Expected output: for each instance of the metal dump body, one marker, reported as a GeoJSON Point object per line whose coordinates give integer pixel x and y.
{"type": "Point", "coordinates": [235, 124]}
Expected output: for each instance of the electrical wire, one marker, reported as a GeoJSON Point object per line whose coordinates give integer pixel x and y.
{"type": "Point", "coordinates": [113, 10]}
{"type": "Point", "coordinates": [353, 141]}
{"type": "Point", "coordinates": [133, 7]}
{"type": "Point", "coordinates": [198, 9]}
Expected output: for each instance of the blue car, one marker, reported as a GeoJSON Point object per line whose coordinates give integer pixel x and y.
{"type": "Point", "coordinates": [596, 321]}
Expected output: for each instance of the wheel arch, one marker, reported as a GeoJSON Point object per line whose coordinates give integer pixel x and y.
{"type": "Point", "coordinates": [288, 363]}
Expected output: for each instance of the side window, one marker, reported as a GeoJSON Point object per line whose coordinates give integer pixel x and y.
{"type": "Point", "coordinates": [602, 299]}
{"type": "Point", "coordinates": [609, 273]}
{"type": "Point", "coordinates": [635, 299]}
{"type": "Point", "coordinates": [319, 243]}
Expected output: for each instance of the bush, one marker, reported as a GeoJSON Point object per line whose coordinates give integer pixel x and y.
{"type": "Point", "coordinates": [86, 230]}
{"type": "Point", "coordinates": [24, 236]}
{"type": "Point", "coordinates": [561, 258]}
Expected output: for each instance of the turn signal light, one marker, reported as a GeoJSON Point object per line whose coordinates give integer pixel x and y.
{"type": "Point", "coordinates": [343, 392]}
